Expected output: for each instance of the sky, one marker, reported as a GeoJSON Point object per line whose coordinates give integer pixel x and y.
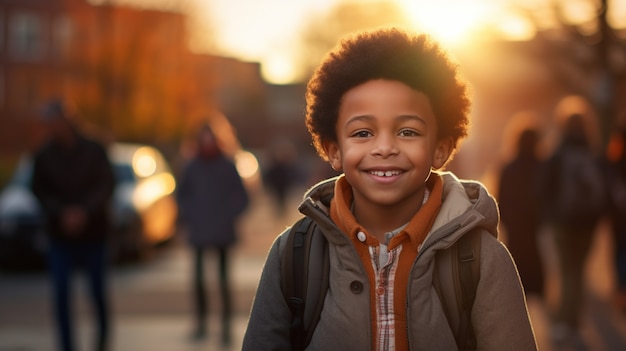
{"type": "Point", "coordinates": [266, 31]}
{"type": "Point", "coordinates": [263, 31]}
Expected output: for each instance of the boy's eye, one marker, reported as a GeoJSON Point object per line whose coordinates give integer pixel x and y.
{"type": "Point", "coordinates": [361, 134]}
{"type": "Point", "coordinates": [408, 133]}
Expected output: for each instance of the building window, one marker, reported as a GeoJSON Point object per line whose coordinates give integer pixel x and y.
{"type": "Point", "coordinates": [2, 88]}
{"type": "Point", "coordinates": [1, 31]}
{"type": "Point", "coordinates": [24, 94]}
{"type": "Point", "coordinates": [62, 36]}
{"type": "Point", "coordinates": [25, 36]}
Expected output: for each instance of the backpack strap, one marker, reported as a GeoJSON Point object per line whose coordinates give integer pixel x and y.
{"type": "Point", "coordinates": [457, 291]}
{"type": "Point", "coordinates": [305, 263]}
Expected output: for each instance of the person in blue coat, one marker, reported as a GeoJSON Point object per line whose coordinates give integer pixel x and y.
{"type": "Point", "coordinates": [211, 196]}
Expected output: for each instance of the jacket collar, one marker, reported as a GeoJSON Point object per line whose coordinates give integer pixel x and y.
{"type": "Point", "coordinates": [465, 204]}
{"type": "Point", "coordinates": [415, 230]}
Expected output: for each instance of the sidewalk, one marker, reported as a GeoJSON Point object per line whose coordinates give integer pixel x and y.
{"type": "Point", "coordinates": [151, 301]}
{"type": "Point", "coordinates": [152, 308]}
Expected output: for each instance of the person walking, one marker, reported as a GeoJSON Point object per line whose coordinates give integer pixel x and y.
{"type": "Point", "coordinates": [518, 201]}
{"type": "Point", "coordinates": [74, 181]}
{"type": "Point", "coordinates": [573, 202]}
{"type": "Point", "coordinates": [282, 173]}
{"type": "Point", "coordinates": [211, 196]}
{"type": "Point", "coordinates": [617, 191]}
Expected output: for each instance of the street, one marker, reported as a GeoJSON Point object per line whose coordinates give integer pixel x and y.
{"type": "Point", "coordinates": [152, 306]}
{"type": "Point", "coordinates": [151, 301]}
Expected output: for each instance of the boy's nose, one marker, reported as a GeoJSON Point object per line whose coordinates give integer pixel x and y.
{"type": "Point", "coordinates": [385, 146]}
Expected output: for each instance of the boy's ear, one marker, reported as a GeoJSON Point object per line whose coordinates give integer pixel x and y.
{"type": "Point", "coordinates": [334, 156]}
{"type": "Point", "coordinates": [443, 150]}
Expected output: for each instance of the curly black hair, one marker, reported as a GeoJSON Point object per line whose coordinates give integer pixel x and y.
{"type": "Point", "coordinates": [393, 54]}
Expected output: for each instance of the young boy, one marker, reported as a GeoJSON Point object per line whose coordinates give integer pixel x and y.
{"type": "Point", "coordinates": [387, 109]}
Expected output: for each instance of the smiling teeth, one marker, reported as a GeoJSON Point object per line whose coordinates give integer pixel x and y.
{"type": "Point", "coordinates": [385, 174]}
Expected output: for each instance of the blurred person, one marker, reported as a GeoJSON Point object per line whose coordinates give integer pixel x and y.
{"type": "Point", "coordinates": [617, 190]}
{"type": "Point", "coordinates": [519, 208]}
{"type": "Point", "coordinates": [73, 181]}
{"type": "Point", "coordinates": [573, 202]}
{"type": "Point", "coordinates": [282, 173]}
{"type": "Point", "coordinates": [211, 196]}
{"type": "Point", "coordinates": [388, 109]}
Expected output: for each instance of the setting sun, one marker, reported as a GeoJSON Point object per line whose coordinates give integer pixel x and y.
{"type": "Point", "coordinates": [268, 32]}
{"type": "Point", "coordinates": [457, 22]}
{"type": "Point", "coordinates": [452, 22]}
{"type": "Point", "coordinates": [278, 68]}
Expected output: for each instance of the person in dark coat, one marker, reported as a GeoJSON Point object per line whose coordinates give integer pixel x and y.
{"type": "Point", "coordinates": [519, 204]}
{"type": "Point", "coordinates": [282, 174]}
{"type": "Point", "coordinates": [573, 201]}
{"type": "Point", "coordinates": [617, 210]}
{"type": "Point", "coordinates": [73, 181]}
{"type": "Point", "coordinates": [211, 195]}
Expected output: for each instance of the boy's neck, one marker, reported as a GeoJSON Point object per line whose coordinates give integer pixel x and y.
{"type": "Point", "coordinates": [350, 214]}
{"type": "Point", "coordinates": [378, 220]}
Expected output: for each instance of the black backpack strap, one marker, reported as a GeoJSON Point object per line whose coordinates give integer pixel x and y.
{"type": "Point", "coordinates": [456, 276]}
{"type": "Point", "coordinates": [469, 275]}
{"type": "Point", "coordinates": [305, 264]}
{"type": "Point", "coordinates": [318, 271]}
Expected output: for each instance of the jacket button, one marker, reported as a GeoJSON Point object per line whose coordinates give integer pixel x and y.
{"type": "Point", "coordinates": [361, 236]}
{"type": "Point", "coordinates": [356, 287]}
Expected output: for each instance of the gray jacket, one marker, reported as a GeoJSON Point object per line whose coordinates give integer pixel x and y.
{"type": "Point", "coordinates": [499, 317]}
{"type": "Point", "coordinates": [211, 196]}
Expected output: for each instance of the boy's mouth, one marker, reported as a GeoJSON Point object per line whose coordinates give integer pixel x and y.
{"type": "Point", "coordinates": [385, 173]}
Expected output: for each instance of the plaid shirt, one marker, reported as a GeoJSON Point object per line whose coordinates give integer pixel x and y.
{"type": "Point", "coordinates": [385, 277]}
{"type": "Point", "coordinates": [385, 265]}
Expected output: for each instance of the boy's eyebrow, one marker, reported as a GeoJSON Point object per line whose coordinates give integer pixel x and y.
{"type": "Point", "coordinates": [364, 118]}
{"type": "Point", "coordinates": [412, 118]}
{"type": "Point", "coordinates": [402, 118]}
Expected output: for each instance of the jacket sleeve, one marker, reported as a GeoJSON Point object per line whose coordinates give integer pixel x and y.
{"type": "Point", "coordinates": [41, 189]}
{"type": "Point", "coordinates": [500, 315]}
{"type": "Point", "coordinates": [270, 318]}
{"type": "Point", "coordinates": [239, 199]}
{"type": "Point", "coordinates": [182, 192]}
{"type": "Point", "coordinates": [101, 192]}
{"type": "Point", "coordinates": [547, 186]}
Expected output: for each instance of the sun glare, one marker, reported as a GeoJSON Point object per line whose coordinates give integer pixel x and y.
{"type": "Point", "coordinates": [278, 69]}
{"type": "Point", "coordinates": [264, 31]}
{"type": "Point", "coordinates": [450, 21]}
{"type": "Point", "coordinates": [516, 28]}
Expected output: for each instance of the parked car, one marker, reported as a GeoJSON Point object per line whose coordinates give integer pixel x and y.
{"type": "Point", "coordinates": [22, 239]}
{"type": "Point", "coordinates": [143, 210]}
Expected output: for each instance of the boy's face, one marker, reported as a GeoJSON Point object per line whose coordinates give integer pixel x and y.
{"type": "Point", "coordinates": [386, 143]}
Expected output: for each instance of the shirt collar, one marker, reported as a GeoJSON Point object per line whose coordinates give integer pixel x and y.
{"type": "Point", "coordinates": [417, 228]}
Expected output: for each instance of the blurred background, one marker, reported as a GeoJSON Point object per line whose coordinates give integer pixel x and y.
{"type": "Point", "coordinates": [148, 71]}
{"type": "Point", "coordinates": [143, 74]}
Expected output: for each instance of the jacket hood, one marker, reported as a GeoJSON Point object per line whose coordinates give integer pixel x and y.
{"type": "Point", "coordinates": [466, 199]}
{"type": "Point", "coordinates": [466, 205]}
